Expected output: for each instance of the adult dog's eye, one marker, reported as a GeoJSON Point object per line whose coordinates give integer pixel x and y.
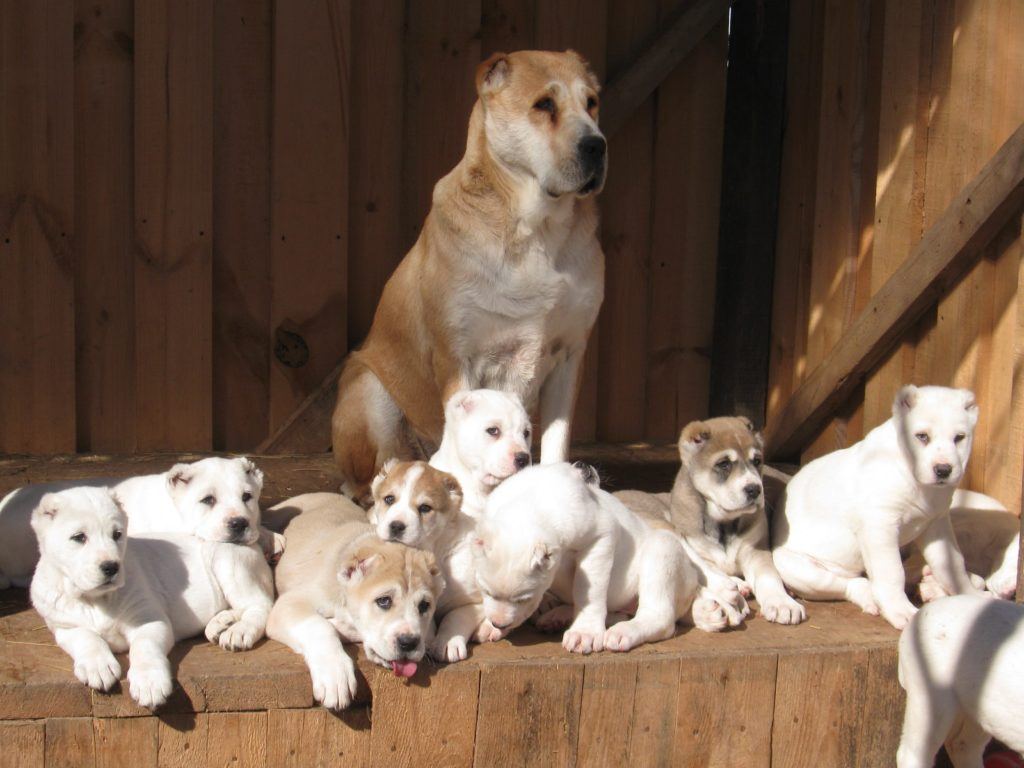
{"type": "Point", "coordinates": [922, 437]}
{"type": "Point", "coordinates": [493, 431]}
{"type": "Point", "coordinates": [724, 465]}
{"type": "Point", "coordinates": [423, 607]}
{"type": "Point", "coordinates": [591, 103]}
{"type": "Point", "coordinates": [545, 105]}
{"type": "Point", "coordinates": [424, 508]}
{"type": "Point", "coordinates": [117, 535]}
{"type": "Point", "coordinates": [959, 437]}
{"type": "Point", "coordinates": [208, 500]}
{"type": "Point", "coordinates": [384, 603]}
{"type": "Point", "coordinates": [389, 499]}
{"type": "Point", "coordinates": [80, 538]}
{"type": "Point", "coordinates": [246, 497]}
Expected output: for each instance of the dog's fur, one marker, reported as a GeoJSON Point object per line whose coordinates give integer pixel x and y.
{"type": "Point", "coordinates": [549, 528]}
{"type": "Point", "coordinates": [100, 591]}
{"type": "Point", "coordinates": [486, 439]}
{"type": "Point", "coordinates": [959, 662]}
{"type": "Point", "coordinates": [337, 581]}
{"type": "Point", "coordinates": [503, 285]}
{"type": "Point", "coordinates": [215, 499]}
{"type": "Point", "coordinates": [849, 512]}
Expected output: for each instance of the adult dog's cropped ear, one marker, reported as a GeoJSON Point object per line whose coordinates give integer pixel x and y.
{"type": "Point", "coordinates": [905, 400]}
{"type": "Point", "coordinates": [693, 438]}
{"type": "Point", "coordinates": [255, 473]}
{"type": "Point", "coordinates": [543, 558]}
{"type": "Point", "coordinates": [493, 74]}
{"type": "Point", "coordinates": [45, 512]}
{"type": "Point", "coordinates": [386, 470]}
{"type": "Point", "coordinates": [970, 405]}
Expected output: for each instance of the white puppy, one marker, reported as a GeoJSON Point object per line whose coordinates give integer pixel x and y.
{"type": "Point", "coordinates": [849, 512]}
{"type": "Point", "coordinates": [960, 664]}
{"type": "Point", "coordinates": [99, 593]}
{"type": "Point", "coordinates": [486, 439]}
{"type": "Point", "coordinates": [551, 527]}
{"type": "Point", "coordinates": [214, 499]}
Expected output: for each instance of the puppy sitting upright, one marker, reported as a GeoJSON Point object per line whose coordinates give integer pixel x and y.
{"type": "Point", "coordinates": [338, 581]}
{"type": "Point", "coordinates": [503, 285]}
{"type": "Point", "coordinates": [849, 512]}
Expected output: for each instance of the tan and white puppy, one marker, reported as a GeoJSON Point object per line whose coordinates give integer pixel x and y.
{"type": "Point", "coordinates": [960, 664]}
{"type": "Point", "coordinates": [101, 591]}
{"type": "Point", "coordinates": [551, 527]}
{"type": "Point", "coordinates": [503, 285]}
{"type": "Point", "coordinates": [337, 581]}
{"type": "Point", "coordinates": [849, 512]}
{"type": "Point", "coordinates": [422, 506]}
{"type": "Point", "coordinates": [486, 439]}
{"type": "Point", "coordinates": [215, 499]}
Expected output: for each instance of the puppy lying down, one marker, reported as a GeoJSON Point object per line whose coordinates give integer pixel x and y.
{"type": "Point", "coordinates": [101, 592]}
{"type": "Point", "coordinates": [551, 527]}
{"type": "Point", "coordinates": [337, 581]}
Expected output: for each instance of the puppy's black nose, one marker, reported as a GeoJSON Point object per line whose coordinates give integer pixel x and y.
{"type": "Point", "coordinates": [592, 148]}
{"type": "Point", "coordinates": [942, 471]}
{"type": "Point", "coordinates": [522, 460]}
{"type": "Point", "coordinates": [109, 568]}
{"type": "Point", "coordinates": [753, 490]}
{"type": "Point", "coordinates": [237, 524]}
{"type": "Point", "coordinates": [408, 643]}
{"type": "Point", "coordinates": [397, 529]}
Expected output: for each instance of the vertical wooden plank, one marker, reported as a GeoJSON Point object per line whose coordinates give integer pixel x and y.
{"type": "Point", "coordinates": [236, 739]}
{"type": "Point", "coordinates": [23, 744]}
{"type": "Point", "coordinates": [528, 716]}
{"type": "Point", "coordinates": [70, 742]}
{"type": "Point", "coordinates": [346, 739]}
{"type": "Point", "coordinates": [878, 734]}
{"type": "Point", "coordinates": [126, 742]}
{"type": "Point", "coordinates": [309, 210]}
{"type": "Point", "coordinates": [375, 158]}
{"type": "Point", "coordinates": [581, 25]}
{"type": "Point", "coordinates": [407, 728]}
{"type": "Point", "coordinates": [653, 733]}
{"type": "Point", "coordinates": [294, 737]}
{"type": "Point", "coordinates": [724, 711]}
{"type": "Point", "coordinates": [104, 234]}
{"type": "Point", "coordinates": [173, 223]}
{"type": "Point", "coordinates": [242, 56]}
{"type": "Point", "coordinates": [506, 25]}
{"type": "Point", "coordinates": [604, 727]}
{"type": "Point", "coordinates": [626, 236]}
{"type": "Point", "coordinates": [182, 741]}
{"type": "Point", "coordinates": [37, 334]}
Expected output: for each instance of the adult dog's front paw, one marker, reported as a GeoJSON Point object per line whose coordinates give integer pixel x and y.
{"type": "Point", "coordinates": [583, 639]}
{"type": "Point", "coordinates": [334, 685]}
{"type": "Point", "coordinates": [782, 609]}
{"type": "Point", "coordinates": [240, 636]}
{"type": "Point", "coordinates": [149, 684]}
{"type": "Point", "coordinates": [100, 671]}
{"type": "Point", "coordinates": [450, 649]}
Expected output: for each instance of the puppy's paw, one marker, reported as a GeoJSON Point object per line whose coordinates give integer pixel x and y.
{"type": "Point", "coordinates": [731, 601]}
{"type": "Point", "coordinates": [219, 623]}
{"type": "Point", "coordinates": [742, 586]}
{"type": "Point", "coordinates": [1004, 587]}
{"type": "Point", "coordinates": [334, 685]}
{"type": "Point", "coordinates": [556, 619]}
{"type": "Point", "coordinates": [782, 609]}
{"type": "Point", "coordinates": [622, 637]}
{"type": "Point", "coordinates": [899, 614]}
{"type": "Point", "coordinates": [859, 592]}
{"type": "Point", "coordinates": [272, 544]}
{"type": "Point", "coordinates": [450, 650]}
{"type": "Point", "coordinates": [100, 671]}
{"type": "Point", "coordinates": [583, 639]}
{"type": "Point", "coordinates": [488, 633]}
{"type": "Point", "coordinates": [709, 615]}
{"type": "Point", "coordinates": [149, 684]}
{"type": "Point", "coordinates": [930, 589]}
{"type": "Point", "coordinates": [240, 636]}
{"type": "Point", "coordinates": [548, 602]}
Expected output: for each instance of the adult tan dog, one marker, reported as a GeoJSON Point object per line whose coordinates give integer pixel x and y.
{"type": "Point", "coordinates": [503, 285]}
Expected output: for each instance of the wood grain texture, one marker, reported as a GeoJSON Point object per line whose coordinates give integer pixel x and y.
{"type": "Point", "coordinates": [183, 741]}
{"type": "Point", "coordinates": [24, 744]}
{"type": "Point", "coordinates": [236, 739]}
{"type": "Point", "coordinates": [70, 742]}
{"type": "Point", "coordinates": [129, 742]}
{"type": "Point", "coordinates": [506, 25]}
{"type": "Point", "coordinates": [604, 731]}
{"type": "Point", "coordinates": [653, 732]}
{"type": "Point", "coordinates": [37, 314]}
{"type": "Point", "coordinates": [104, 227]}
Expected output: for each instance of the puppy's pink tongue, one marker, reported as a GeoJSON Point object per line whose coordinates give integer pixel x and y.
{"type": "Point", "coordinates": [403, 668]}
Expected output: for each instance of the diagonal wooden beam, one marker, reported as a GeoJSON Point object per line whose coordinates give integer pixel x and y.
{"type": "Point", "coordinates": [942, 256]}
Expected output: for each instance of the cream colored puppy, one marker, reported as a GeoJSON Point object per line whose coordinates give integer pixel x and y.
{"type": "Point", "coordinates": [505, 282]}
{"type": "Point", "coordinates": [551, 527]}
{"type": "Point", "coordinates": [100, 591]}
{"type": "Point", "coordinates": [960, 664]}
{"type": "Point", "coordinates": [338, 582]}
{"type": "Point", "coordinates": [215, 499]}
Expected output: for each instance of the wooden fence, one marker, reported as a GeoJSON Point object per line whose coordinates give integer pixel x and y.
{"type": "Point", "coordinates": [892, 107]}
{"type": "Point", "coordinates": [200, 203]}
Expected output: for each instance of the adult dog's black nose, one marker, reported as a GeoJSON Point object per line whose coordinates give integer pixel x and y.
{"type": "Point", "coordinates": [592, 148]}
{"type": "Point", "coordinates": [408, 643]}
{"type": "Point", "coordinates": [237, 524]}
{"type": "Point", "coordinates": [753, 490]}
{"type": "Point", "coordinates": [942, 471]}
{"type": "Point", "coordinates": [109, 568]}
{"type": "Point", "coordinates": [521, 460]}
{"type": "Point", "coordinates": [397, 528]}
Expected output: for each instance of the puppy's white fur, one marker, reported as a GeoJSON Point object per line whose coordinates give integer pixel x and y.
{"type": "Point", "coordinates": [960, 663]}
{"type": "Point", "coordinates": [201, 498]}
{"type": "Point", "coordinates": [486, 439]}
{"type": "Point", "coordinates": [166, 587]}
{"type": "Point", "coordinates": [551, 528]}
{"type": "Point", "coordinates": [849, 512]}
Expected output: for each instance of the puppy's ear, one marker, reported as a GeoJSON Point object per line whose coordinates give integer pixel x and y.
{"type": "Point", "coordinates": [357, 567]}
{"type": "Point", "coordinates": [46, 510]}
{"type": "Point", "coordinates": [429, 562]}
{"type": "Point", "coordinates": [463, 401]}
{"type": "Point", "coordinates": [693, 438]}
{"type": "Point", "coordinates": [493, 74]}
{"type": "Point", "coordinates": [454, 490]}
{"type": "Point", "coordinates": [178, 477]}
{"type": "Point", "coordinates": [758, 437]}
{"type": "Point", "coordinates": [386, 470]}
{"type": "Point", "coordinates": [970, 405]}
{"type": "Point", "coordinates": [905, 400]}
{"type": "Point", "coordinates": [543, 557]}
{"type": "Point", "coordinates": [255, 473]}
